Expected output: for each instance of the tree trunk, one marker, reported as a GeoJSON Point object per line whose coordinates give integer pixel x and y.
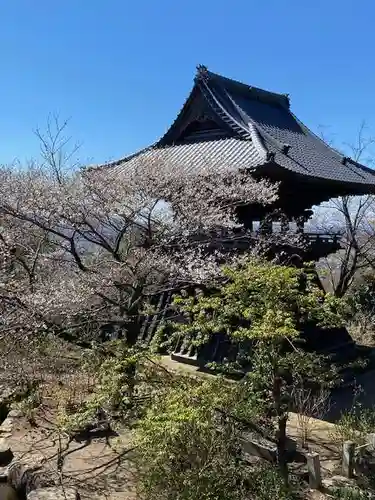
{"type": "Point", "coordinates": [281, 447]}
{"type": "Point", "coordinates": [281, 431]}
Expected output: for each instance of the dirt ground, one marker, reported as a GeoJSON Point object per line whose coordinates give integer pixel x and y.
{"type": "Point", "coordinates": [100, 468]}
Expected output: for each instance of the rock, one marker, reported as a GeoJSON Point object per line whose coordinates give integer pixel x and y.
{"type": "Point", "coordinates": [54, 493]}
{"type": "Point", "coordinates": [6, 427]}
{"type": "Point", "coordinates": [338, 482]}
{"type": "Point", "coordinates": [7, 393]}
{"type": "Point", "coordinates": [26, 475]}
{"type": "Point", "coordinates": [253, 447]}
{"type": "Point", "coordinates": [342, 482]}
{"type": "Point", "coordinates": [6, 455]}
{"type": "Point", "coordinates": [4, 472]}
{"type": "Point", "coordinates": [364, 463]}
{"type": "Point", "coordinates": [15, 413]}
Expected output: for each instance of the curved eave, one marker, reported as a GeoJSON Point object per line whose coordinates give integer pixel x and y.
{"type": "Point", "coordinates": [336, 187]}
{"type": "Point", "coordinates": [124, 159]}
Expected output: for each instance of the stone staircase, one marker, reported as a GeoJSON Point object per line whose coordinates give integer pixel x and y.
{"type": "Point", "coordinates": [350, 359]}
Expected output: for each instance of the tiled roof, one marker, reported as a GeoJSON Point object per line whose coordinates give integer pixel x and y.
{"type": "Point", "coordinates": [231, 153]}
{"type": "Point", "coordinates": [295, 147]}
{"type": "Point", "coordinates": [263, 130]}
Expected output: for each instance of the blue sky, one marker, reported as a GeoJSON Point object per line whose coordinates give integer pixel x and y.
{"type": "Point", "coordinates": [122, 69]}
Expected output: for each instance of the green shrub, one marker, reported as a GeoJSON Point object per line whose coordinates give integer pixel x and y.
{"type": "Point", "coordinates": [354, 425]}
{"type": "Point", "coordinates": [125, 379]}
{"type": "Point", "coordinates": [186, 450]}
{"type": "Point", "coordinates": [181, 452]}
{"type": "Point", "coordinates": [362, 297]}
{"type": "Point", "coordinates": [346, 493]}
{"type": "Point", "coordinates": [266, 482]}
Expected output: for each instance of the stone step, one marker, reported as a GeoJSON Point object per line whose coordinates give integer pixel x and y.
{"type": "Point", "coordinates": [184, 358]}
{"type": "Point", "coordinates": [54, 493]}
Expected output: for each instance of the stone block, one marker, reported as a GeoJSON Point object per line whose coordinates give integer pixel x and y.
{"type": "Point", "coordinates": [337, 483]}
{"type": "Point", "coordinates": [54, 493]}
{"type": "Point", "coordinates": [348, 451]}
{"type": "Point", "coordinates": [371, 441]}
{"type": "Point", "coordinates": [261, 450]}
{"type": "Point", "coordinates": [313, 467]}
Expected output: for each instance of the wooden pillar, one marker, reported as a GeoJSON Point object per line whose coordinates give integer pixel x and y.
{"type": "Point", "coordinates": [348, 459]}
{"type": "Point", "coordinates": [313, 467]}
{"type": "Point", "coordinates": [284, 225]}
{"type": "Point", "coordinates": [265, 226]}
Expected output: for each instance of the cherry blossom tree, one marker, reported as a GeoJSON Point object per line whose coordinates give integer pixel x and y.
{"type": "Point", "coordinates": [87, 247]}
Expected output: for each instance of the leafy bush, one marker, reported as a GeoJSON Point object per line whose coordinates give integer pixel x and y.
{"type": "Point", "coordinates": [267, 306]}
{"type": "Point", "coordinates": [362, 297]}
{"type": "Point", "coordinates": [125, 379]}
{"type": "Point", "coordinates": [259, 300]}
{"type": "Point", "coordinates": [361, 301]}
{"type": "Point", "coordinates": [187, 450]}
{"type": "Point", "coordinates": [355, 425]}
{"type": "Point", "coordinates": [182, 454]}
{"type": "Point", "coordinates": [345, 493]}
{"type": "Point", "coordinates": [266, 483]}
{"type": "Point", "coordinates": [29, 404]}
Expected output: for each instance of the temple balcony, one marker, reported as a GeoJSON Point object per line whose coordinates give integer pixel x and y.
{"type": "Point", "coordinates": [320, 245]}
{"type": "Point", "coordinates": [294, 241]}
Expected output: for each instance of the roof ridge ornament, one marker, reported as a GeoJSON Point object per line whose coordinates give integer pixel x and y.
{"type": "Point", "coordinates": [345, 159]}
{"type": "Point", "coordinates": [202, 72]}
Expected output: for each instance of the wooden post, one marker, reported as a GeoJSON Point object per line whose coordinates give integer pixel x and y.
{"type": "Point", "coordinates": [348, 459]}
{"type": "Point", "coordinates": [371, 440]}
{"type": "Point", "coordinates": [265, 226]}
{"type": "Point", "coordinates": [313, 467]}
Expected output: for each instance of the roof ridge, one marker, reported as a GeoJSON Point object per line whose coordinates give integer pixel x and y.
{"type": "Point", "coordinates": [221, 110]}
{"type": "Point", "coordinates": [283, 147]}
{"type": "Point", "coordinates": [204, 74]}
{"type": "Point", "coordinates": [250, 132]}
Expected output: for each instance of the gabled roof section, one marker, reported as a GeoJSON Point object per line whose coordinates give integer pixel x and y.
{"type": "Point", "coordinates": [267, 119]}
{"type": "Point", "coordinates": [258, 128]}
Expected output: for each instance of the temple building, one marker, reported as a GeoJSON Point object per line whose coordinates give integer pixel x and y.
{"type": "Point", "coordinates": [231, 123]}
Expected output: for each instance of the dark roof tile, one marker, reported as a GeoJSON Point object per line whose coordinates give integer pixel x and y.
{"type": "Point", "coordinates": [263, 128]}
